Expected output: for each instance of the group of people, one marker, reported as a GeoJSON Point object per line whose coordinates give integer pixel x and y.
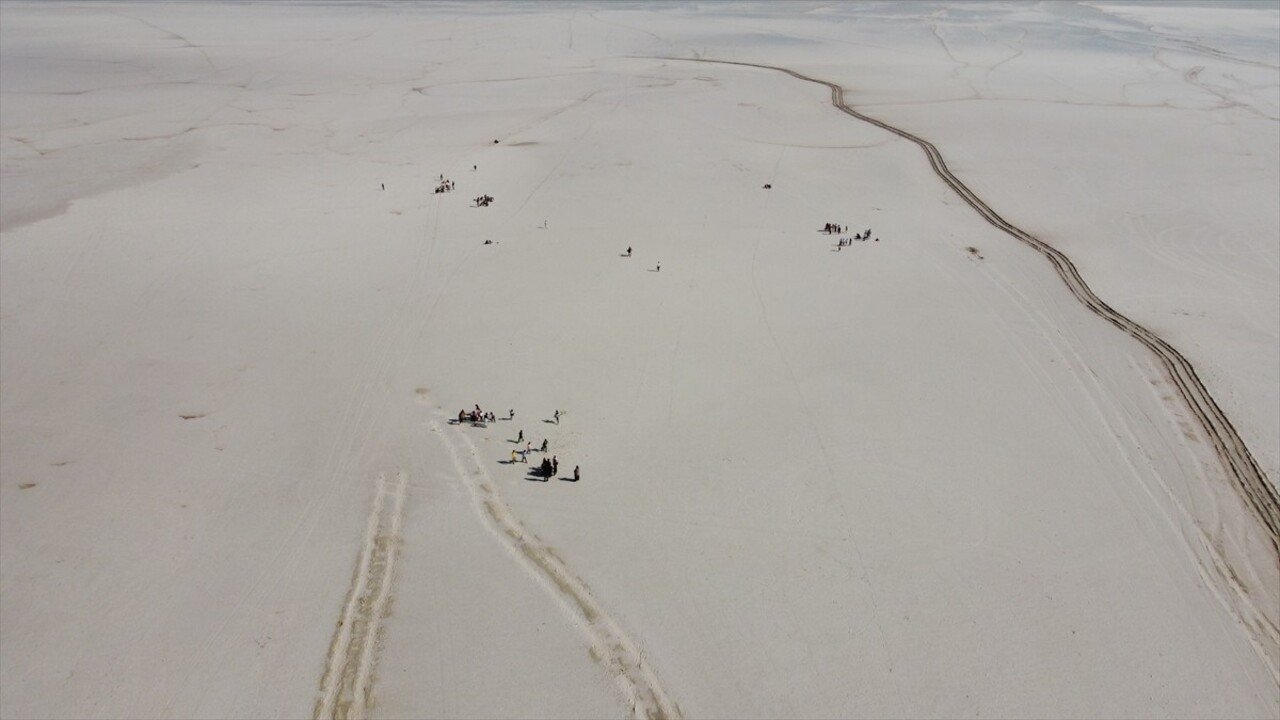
{"type": "Point", "coordinates": [549, 466]}
{"type": "Point", "coordinates": [846, 242]}
{"type": "Point", "coordinates": [444, 186]}
{"type": "Point", "coordinates": [476, 416]}
{"type": "Point", "coordinates": [860, 237]}
{"type": "Point", "coordinates": [484, 200]}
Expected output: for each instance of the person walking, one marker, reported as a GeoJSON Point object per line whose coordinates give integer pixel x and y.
{"type": "Point", "coordinates": [555, 465]}
{"type": "Point", "coordinates": [544, 444]}
{"type": "Point", "coordinates": [576, 476]}
{"type": "Point", "coordinates": [513, 456]}
{"type": "Point", "coordinates": [520, 437]}
{"type": "Point", "coordinates": [511, 414]}
{"type": "Point", "coordinates": [557, 416]}
{"type": "Point", "coordinates": [628, 251]}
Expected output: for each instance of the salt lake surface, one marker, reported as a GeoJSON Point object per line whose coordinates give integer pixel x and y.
{"type": "Point", "coordinates": [910, 475]}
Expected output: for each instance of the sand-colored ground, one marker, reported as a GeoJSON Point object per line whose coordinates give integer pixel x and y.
{"type": "Point", "coordinates": [913, 476]}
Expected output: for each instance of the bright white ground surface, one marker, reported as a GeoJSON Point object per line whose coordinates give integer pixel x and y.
{"type": "Point", "coordinates": [908, 478]}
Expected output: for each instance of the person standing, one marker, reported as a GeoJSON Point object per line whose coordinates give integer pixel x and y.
{"type": "Point", "coordinates": [520, 437]}
{"type": "Point", "coordinates": [576, 476]}
{"type": "Point", "coordinates": [555, 465]}
{"type": "Point", "coordinates": [557, 417]}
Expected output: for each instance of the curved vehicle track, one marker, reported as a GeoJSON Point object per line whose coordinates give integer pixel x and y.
{"type": "Point", "coordinates": [609, 645]}
{"type": "Point", "coordinates": [1258, 493]}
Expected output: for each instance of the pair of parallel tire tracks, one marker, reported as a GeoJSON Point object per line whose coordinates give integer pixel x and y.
{"type": "Point", "coordinates": [345, 688]}
{"type": "Point", "coordinates": [1259, 494]}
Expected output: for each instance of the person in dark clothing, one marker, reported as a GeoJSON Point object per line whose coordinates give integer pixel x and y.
{"type": "Point", "coordinates": [520, 437]}
{"type": "Point", "coordinates": [544, 444]}
{"type": "Point", "coordinates": [576, 476]}
{"type": "Point", "coordinates": [555, 465]}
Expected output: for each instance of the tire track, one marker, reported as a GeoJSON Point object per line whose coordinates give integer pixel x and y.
{"type": "Point", "coordinates": [1253, 488]}
{"type": "Point", "coordinates": [348, 677]}
{"type": "Point", "coordinates": [1258, 493]}
{"type": "Point", "coordinates": [609, 644]}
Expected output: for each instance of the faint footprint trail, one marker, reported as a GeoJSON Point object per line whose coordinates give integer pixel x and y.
{"type": "Point", "coordinates": [609, 643]}
{"type": "Point", "coordinates": [348, 676]}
